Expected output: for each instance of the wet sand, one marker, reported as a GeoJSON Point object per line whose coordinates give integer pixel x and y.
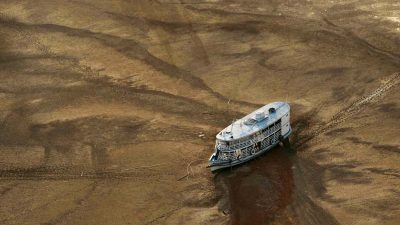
{"type": "Point", "coordinates": [259, 191]}
{"type": "Point", "coordinates": [109, 111]}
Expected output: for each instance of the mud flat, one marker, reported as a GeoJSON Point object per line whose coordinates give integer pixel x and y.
{"type": "Point", "coordinates": [108, 111]}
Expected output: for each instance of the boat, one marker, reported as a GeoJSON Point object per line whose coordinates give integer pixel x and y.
{"type": "Point", "coordinates": [251, 136]}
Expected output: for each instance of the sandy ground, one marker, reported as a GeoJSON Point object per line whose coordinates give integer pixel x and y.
{"type": "Point", "coordinates": [109, 110]}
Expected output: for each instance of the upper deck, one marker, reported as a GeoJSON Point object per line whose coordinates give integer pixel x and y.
{"type": "Point", "coordinates": [253, 122]}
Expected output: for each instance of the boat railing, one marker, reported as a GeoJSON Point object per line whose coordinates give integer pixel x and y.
{"type": "Point", "coordinates": [249, 150]}
{"type": "Point", "coordinates": [252, 141]}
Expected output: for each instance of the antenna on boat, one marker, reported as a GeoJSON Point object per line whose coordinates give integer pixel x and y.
{"type": "Point", "coordinates": [233, 121]}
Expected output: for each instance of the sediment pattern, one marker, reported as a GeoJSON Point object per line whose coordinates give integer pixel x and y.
{"type": "Point", "coordinates": [108, 111]}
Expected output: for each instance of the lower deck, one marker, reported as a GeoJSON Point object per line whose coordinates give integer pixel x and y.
{"type": "Point", "coordinates": [243, 155]}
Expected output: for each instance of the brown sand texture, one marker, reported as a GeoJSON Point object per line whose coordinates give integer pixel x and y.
{"type": "Point", "coordinates": [109, 111]}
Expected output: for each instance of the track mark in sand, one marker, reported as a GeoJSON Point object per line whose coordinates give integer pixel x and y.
{"type": "Point", "coordinates": [8, 189]}
{"type": "Point", "coordinates": [180, 14]}
{"type": "Point", "coordinates": [138, 173]}
{"type": "Point", "coordinates": [309, 212]}
{"type": "Point", "coordinates": [28, 212]}
{"type": "Point", "coordinates": [68, 173]}
{"type": "Point", "coordinates": [162, 216]}
{"type": "Point", "coordinates": [389, 83]}
{"type": "Point", "coordinates": [341, 31]}
{"type": "Point", "coordinates": [79, 203]}
{"type": "Point", "coordinates": [128, 47]}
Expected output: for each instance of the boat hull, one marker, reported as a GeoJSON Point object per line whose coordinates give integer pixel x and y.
{"type": "Point", "coordinates": [214, 166]}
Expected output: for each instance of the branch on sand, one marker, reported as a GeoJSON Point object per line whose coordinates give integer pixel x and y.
{"type": "Point", "coordinates": [189, 170]}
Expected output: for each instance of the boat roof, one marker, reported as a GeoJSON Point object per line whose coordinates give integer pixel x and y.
{"type": "Point", "coordinates": [253, 122]}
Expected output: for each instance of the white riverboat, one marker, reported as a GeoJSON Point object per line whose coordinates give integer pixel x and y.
{"type": "Point", "coordinates": [251, 136]}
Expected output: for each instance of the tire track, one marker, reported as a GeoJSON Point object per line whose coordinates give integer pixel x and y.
{"type": "Point", "coordinates": [286, 26]}
{"type": "Point", "coordinates": [149, 10]}
{"type": "Point", "coordinates": [26, 213]}
{"type": "Point", "coordinates": [388, 84]}
{"type": "Point", "coordinates": [139, 173]}
{"type": "Point", "coordinates": [162, 216]}
{"type": "Point", "coordinates": [79, 203]}
{"type": "Point", "coordinates": [342, 32]}
{"type": "Point", "coordinates": [8, 188]}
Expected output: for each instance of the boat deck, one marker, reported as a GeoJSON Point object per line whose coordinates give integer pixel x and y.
{"type": "Point", "coordinates": [240, 129]}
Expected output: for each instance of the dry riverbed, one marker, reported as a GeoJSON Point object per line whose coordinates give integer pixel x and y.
{"type": "Point", "coordinates": [109, 110]}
